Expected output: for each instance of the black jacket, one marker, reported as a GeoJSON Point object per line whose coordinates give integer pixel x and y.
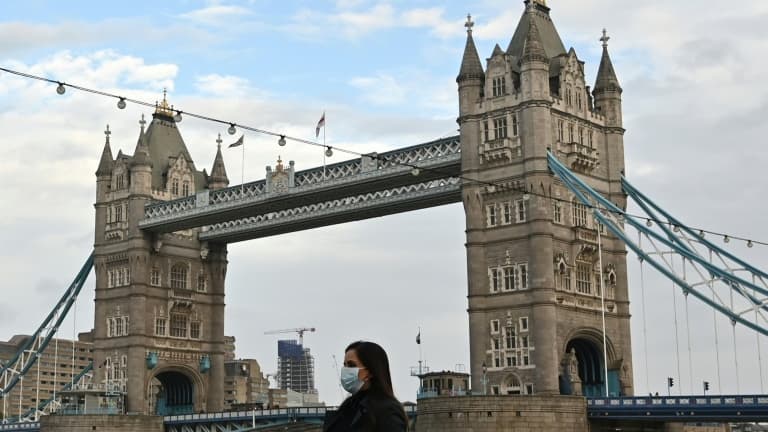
{"type": "Point", "coordinates": [364, 412]}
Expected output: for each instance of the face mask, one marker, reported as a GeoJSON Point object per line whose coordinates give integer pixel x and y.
{"type": "Point", "coordinates": [349, 380]}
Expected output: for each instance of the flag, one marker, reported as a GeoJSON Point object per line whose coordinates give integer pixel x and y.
{"type": "Point", "coordinates": [238, 143]}
{"type": "Point", "coordinates": [320, 124]}
{"type": "Point", "coordinates": [418, 338]}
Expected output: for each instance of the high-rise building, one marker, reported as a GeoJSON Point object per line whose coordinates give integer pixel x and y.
{"type": "Point", "coordinates": [295, 367]}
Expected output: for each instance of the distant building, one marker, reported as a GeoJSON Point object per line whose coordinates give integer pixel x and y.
{"type": "Point", "coordinates": [245, 385]}
{"type": "Point", "coordinates": [56, 369]}
{"type": "Point", "coordinates": [229, 348]}
{"type": "Point", "coordinates": [295, 367]}
{"type": "Point", "coordinates": [445, 383]}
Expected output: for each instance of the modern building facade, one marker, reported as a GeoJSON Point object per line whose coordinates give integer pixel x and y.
{"type": "Point", "coordinates": [159, 306]}
{"type": "Point", "coordinates": [245, 385]}
{"type": "Point", "coordinates": [538, 268]}
{"type": "Point", "coordinates": [295, 367]}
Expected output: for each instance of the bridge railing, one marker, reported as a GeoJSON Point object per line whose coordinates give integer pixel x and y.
{"type": "Point", "coordinates": [315, 177]}
{"type": "Point", "coordinates": [275, 413]}
{"type": "Point", "coordinates": [679, 401]}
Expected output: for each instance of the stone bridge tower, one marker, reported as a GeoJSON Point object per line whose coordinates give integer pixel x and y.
{"type": "Point", "coordinates": [159, 306]}
{"type": "Point", "coordinates": [532, 251]}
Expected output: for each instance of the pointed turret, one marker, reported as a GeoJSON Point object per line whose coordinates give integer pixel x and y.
{"type": "Point", "coordinates": [141, 154]}
{"type": "Point", "coordinates": [105, 164]}
{"type": "Point", "coordinates": [607, 90]}
{"type": "Point", "coordinates": [533, 48]}
{"type": "Point", "coordinates": [536, 12]}
{"type": "Point", "coordinates": [606, 75]}
{"type": "Point", "coordinates": [218, 178]}
{"type": "Point", "coordinates": [471, 68]}
{"type": "Point", "coordinates": [497, 51]}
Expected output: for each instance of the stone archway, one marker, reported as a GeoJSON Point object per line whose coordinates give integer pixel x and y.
{"type": "Point", "coordinates": [173, 392]}
{"type": "Point", "coordinates": [589, 365]}
{"type": "Point", "coordinates": [512, 385]}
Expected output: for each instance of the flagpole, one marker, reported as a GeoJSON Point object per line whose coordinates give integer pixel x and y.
{"type": "Point", "coordinates": [324, 147]}
{"type": "Point", "coordinates": [242, 173]}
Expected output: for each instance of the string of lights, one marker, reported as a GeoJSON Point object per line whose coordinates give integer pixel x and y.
{"type": "Point", "coordinates": [122, 101]}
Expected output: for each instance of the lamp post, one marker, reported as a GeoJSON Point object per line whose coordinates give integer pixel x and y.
{"type": "Point", "coordinates": [485, 379]}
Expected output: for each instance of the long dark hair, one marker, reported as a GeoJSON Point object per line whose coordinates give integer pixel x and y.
{"type": "Point", "coordinates": [375, 360]}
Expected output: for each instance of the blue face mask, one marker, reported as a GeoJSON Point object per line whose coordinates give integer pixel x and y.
{"type": "Point", "coordinates": [349, 380]}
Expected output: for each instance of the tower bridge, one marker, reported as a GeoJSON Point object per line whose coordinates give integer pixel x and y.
{"type": "Point", "coordinates": [538, 166]}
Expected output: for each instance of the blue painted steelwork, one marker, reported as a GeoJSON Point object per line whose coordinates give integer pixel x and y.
{"type": "Point", "coordinates": [27, 355]}
{"type": "Point", "coordinates": [43, 406]}
{"type": "Point", "coordinates": [589, 197]}
{"type": "Point", "coordinates": [245, 420]}
{"type": "Point", "coordinates": [745, 408]}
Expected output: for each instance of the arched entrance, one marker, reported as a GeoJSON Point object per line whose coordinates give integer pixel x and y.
{"type": "Point", "coordinates": [512, 385]}
{"type": "Point", "coordinates": [590, 366]}
{"type": "Point", "coordinates": [173, 393]}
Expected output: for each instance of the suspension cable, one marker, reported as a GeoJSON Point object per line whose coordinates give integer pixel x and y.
{"type": "Point", "coordinates": [55, 359]}
{"type": "Point", "coordinates": [677, 336]}
{"type": "Point", "coordinates": [74, 334]}
{"type": "Point", "coordinates": [645, 325]}
{"type": "Point", "coordinates": [688, 333]}
{"type": "Point", "coordinates": [735, 352]}
{"type": "Point", "coordinates": [37, 385]}
{"type": "Point", "coordinates": [717, 339]}
{"type": "Point", "coordinates": [602, 305]}
{"type": "Point", "coordinates": [759, 350]}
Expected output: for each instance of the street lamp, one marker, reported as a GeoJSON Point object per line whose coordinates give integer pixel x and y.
{"type": "Point", "coordinates": [485, 379]}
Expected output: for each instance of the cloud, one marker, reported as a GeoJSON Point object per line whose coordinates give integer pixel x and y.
{"type": "Point", "coordinates": [221, 85]}
{"type": "Point", "coordinates": [216, 15]}
{"type": "Point", "coordinates": [380, 89]}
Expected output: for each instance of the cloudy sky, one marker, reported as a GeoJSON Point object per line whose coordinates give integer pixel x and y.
{"type": "Point", "coordinates": [695, 103]}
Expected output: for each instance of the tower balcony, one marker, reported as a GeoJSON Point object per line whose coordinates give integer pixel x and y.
{"type": "Point", "coordinates": [500, 150]}
{"type": "Point", "coordinates": [581, 158]}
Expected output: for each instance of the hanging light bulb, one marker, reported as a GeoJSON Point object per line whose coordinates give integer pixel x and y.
{"type": "Point", "coordinates": [329, 151]}
{"type": "Point", "coordinates": [177, 117]}
{"type": "Point", "coordinates": [726, 239]}
{"type": "Point", "coordinates": [231, 129]}
{"type": "Point", "coordinates": [121, 103]}
{"type": "Point", "coordinates": [750, 244]}
{"type": "Point", "coordinates": [649, 223]}
{"type": "Point", "coordinates": [415, 171]}
{"type": "Point", "coordinates": [281, 141]}
{"type": "Point", "coordinates": [676, 229]}
{"type": "Point", "coordinates": [61, 89]}
{"type": "Point", "coordinates": [701, 233]}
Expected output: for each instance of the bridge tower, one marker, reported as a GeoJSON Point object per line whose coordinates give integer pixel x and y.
{"type": "Point", "coordinates": [534, 268]}
{"type": "Point", "coordinates": [159, 302]}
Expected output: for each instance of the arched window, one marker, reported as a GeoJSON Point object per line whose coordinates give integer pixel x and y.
{"type": "Point", "coordinates": [175, 187]}
{"type": "Point", "coordinates": [185, 188]}
{"type": "Point", "coordinates": [179, 276]}
{"type": "Point", "coordinates": [512, 385]}
{"type": "Point", "coordinates": [202, 282]}
{"type": "Point", "coordinates": [108, 367]}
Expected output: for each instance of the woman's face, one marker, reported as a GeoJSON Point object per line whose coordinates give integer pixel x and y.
{"type": "Point", "coordinates": [351, 360]}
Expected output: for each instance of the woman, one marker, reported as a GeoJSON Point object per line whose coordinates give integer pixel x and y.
{"type": "Point", "coordinates": [372, 407]}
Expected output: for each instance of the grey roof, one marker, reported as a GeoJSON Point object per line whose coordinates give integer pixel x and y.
{"type": "Point", "coordinates": [606, 75]}
{"type": "Point", "coordinates": [550, 39]}
{"type": "Point", "coordinates": [533, 49]}
{"type": "Point", "coordinates": [165, 142]}
{"type": "Point", "coordinates": [497, 51]}
{"type": "Point", "coordinates": [219, 172]}
{"type": "Point", "coordinates": [105, 164]}
{"type": "Point", "coordinates": [470, 63]}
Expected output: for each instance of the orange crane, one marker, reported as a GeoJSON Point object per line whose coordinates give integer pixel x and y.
{"type": "Point", "coordinates": [299, 330]}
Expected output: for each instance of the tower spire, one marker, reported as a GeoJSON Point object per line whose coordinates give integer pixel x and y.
{"type": "Point", "coordinates": [218, 178]}
{"type": "Point", "coordinates": [141, 154]}
{"type": "Point", "coordinates": [606, 75]}
{"type": "Point", "coordinates": [471, 68]}
{"type": "Point", "coordinates": [105, 164]}
{"type": "Point", "coordinates": [533, 49]}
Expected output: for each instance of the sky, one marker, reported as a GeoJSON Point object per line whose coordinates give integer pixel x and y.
{"type": "Point", "coordinates": [695, 103]}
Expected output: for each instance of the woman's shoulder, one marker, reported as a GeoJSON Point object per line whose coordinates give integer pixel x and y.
{"type": "Point", "coordinates": [387, 411]}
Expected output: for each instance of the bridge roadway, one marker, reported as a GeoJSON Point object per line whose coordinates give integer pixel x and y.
{"type": "Point", "coordinates": [720, 409]}
{"type": "Point", "coordinates": [371, 186]}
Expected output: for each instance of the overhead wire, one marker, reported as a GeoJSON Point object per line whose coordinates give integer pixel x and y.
{"type": "Point", "coordinates": [373, 155]}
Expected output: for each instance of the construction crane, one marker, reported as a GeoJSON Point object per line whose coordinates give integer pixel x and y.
{"type": "Point", "coordinates": [299, 330]}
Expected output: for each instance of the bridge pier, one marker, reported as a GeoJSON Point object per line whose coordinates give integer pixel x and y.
{"type": "Point", "coordinates": [111, 423]}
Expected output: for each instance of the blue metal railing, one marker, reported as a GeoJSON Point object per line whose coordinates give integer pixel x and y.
{"type": "Point", "coordinates": [680, 408]}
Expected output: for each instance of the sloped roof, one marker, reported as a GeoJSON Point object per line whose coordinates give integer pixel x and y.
{"type": "Point", "coordinates": [550, 39]}
{"type": "Point", "coordinates": [165, 141]}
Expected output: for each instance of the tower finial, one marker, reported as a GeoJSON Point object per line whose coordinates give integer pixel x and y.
{"type": "Point", "coordinates": [142, 122]}
{"type": "Point", "coordinates": [107, 132]}
{"type": "Point", "coordinates": [605, 38]}
{"type": "Point", "coordinates": [219, 141]}
{"type": "Point", "coordinates": [469, 24]}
